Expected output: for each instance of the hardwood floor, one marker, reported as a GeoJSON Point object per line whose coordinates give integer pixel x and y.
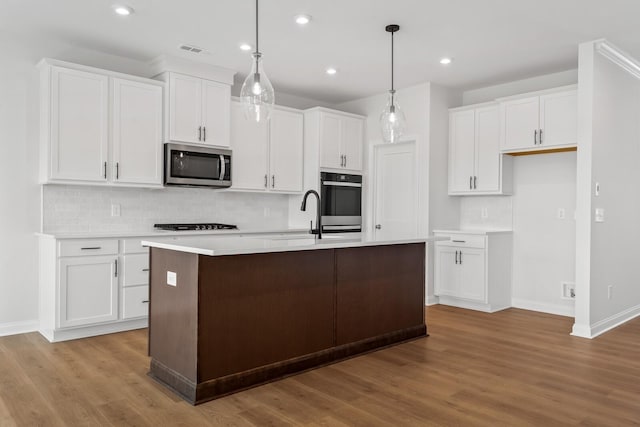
{"type": "Point", "coordinates": [509, 368]}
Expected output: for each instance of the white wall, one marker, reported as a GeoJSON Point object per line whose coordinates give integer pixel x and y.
{"type": "Point", "coordinates": [609, 154]}
{"type": "Point", "coordinates": [426, 108]}
{"type": "Point", "coordinates": [282, 98]}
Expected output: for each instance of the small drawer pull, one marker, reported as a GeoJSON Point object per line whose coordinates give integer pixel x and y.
{"type": "Point", "coordinates": [145, 269]}
{"type": "Point", "coordinates": [145, 301]}
{"type": "Point", "coordinates": [93, 248]}
{"type": "Point", "coordinates": [459, 241]}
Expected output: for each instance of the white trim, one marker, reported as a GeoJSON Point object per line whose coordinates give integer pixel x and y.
{"type": "Point", "coordinates": [334, 111]}
{"type": "Point", "coordinates": [618, 57]}
{"type": "Point", "coordinates": [91, 331]}
{"type": "Point", "coordinates": [607, 324]}
{"type": "Point", "coordinates": [565, 88]}
{"type": "Point", "coordinates": [432, 300]}
{"type": "Point", "coordinates": [50, 62]}
{"type": "Point", "coordinates": [13, 328]}
{"type": "Point", "coordinates": [470, 305]}
{"type": "Point", "coordinates": [543, 307]}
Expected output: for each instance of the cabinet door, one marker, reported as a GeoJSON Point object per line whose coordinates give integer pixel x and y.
{"type": "Point", "coordinates": [79, 120]}
{"type": "Point", "coordinates": [472, 275]}
{"type": "Point", "coordinates": [185, 108]}
{"type": "Point", "coordinates": [447, 274]}
{"type": "Point", "coordinates": [135, 302]}
{"type": "Point", "coordinates": [352, 141]}
{"type": "Point", "coordinates": [330, 141]}
{"type": "Point", "coordinates": [88, 290]}
{"type": "Point", "coordinates": [286, 143]}
{"type": "Point", "coordinates": [520, 123]}
{"type": "Point", "coordinates": [559, 119]}
{"type": "Point", "coordinates": [250, 145]}
{"type": "Point", "coordinates": [461, 151]}
{"type": "Point", "coordinates": [136, 132]}
{"type": "Point", "coordinates": [487, 135]}
{"type": "Point", "coordinates": [216, 105]}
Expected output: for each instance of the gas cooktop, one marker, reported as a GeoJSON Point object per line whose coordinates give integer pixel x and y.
{"type": "Point", "coordinates": [196, 226]}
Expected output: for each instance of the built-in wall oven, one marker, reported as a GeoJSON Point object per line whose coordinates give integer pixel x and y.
{"type": "Point", "coordinates": [341, 202]}
{"type": "Point", "coordinates": [200, 166]}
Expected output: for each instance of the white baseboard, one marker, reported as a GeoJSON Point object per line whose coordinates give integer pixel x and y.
{"type": "Point", "coordinates": [432, 300]}
{"type": "Point", "coordinates": [92, 331]}
{"type": "Point", "coordinates": [13, 328]}
{"type": "Point", "coordinates": [542, 307]}
{"type": "Point", "coordinates": [607, 324]}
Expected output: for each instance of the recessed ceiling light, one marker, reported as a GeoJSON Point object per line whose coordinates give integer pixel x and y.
{"type": "Point", "coordinates": [331, 71]}
{"type": "Point", "coordinates": [302, 19]}
{"type": "Point", "coordinates": [245, 46]}
{"type": "Point", "coordinates": [446, 61]}
{"type": "Point", "coordinates": [123, 10]}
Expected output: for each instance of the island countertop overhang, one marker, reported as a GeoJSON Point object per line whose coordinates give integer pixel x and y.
{"type": "Point", "coordinates": [221, 246]}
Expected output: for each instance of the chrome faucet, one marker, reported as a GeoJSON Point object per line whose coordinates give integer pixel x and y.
{"type": "Point", "coordinates": [303, 207]}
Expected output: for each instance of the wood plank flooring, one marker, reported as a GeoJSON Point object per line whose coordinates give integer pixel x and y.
{"type": "Point", "coordinates": [510, 368]}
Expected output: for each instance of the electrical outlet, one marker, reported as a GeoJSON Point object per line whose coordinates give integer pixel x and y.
{"type": "Point", "coordinates": [115, 209]}
{"type": "Point", "coordinates": [568, 290]}
{"type": "Point", "coordinates": [561, 213]}
{"type": "Point", "coordinates": [609, 291]}
{"type": "Point", "coordinates": [599, 215]}
{"type": "Point", "coordinates": [266, 212]}
{"type": "Point", "coordinates": [172, 278]}
{"type": "Point", "coordinates": [484, 213]}
{"type": "Point", "coordinates": [597, 189]}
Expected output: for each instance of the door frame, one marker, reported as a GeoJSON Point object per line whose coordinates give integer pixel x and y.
{"type": "Point", "coordinates": [409, 140]}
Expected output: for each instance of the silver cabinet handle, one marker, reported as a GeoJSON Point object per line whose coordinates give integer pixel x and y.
{"type": "Point", "coordinates": [204, 133]}
{"type": "Point", "coordinates": [273, 181]}
{"type": "Point", "coordinates": [460, 257]}
{"type": "Point", "coordinates": [91, 248]}
{"type": "Point", "coordinates": [145, 269]}
{"type": "Point", "coordinates": [459, 241]}
{"type": "Point", "coordinates": [117, 170]}
{"type": "Point", "coordinates": [456, 257]}
{"type": "Point", "coordinates": [116, 269]}
{"type": "Point", "coordinates": [535, 137]}
{"type": "Point", "coordinates": [540, 137]}
{"type": "Point", "coordinates": [345, 160]}
{"type": "Point", "coordinates": [105, 170]}
{"type": "Point", "coordinates": [470, 183]}
{"type": "Point", "coordinates": [475, 179]}
{"type": "Point", "coordinates": [223, 168]}
{"type": "Point", "coordinates": [378, 226]}
{"type": "Point", "coordinates": [145, 301]}
{"type": "Point", "coordinates": [200, 133]}
{"type": "Point", "coordinates": [266, 180]}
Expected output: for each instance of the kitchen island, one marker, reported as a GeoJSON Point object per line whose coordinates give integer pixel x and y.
{"type": "Point", "coordinates": [230, 313]}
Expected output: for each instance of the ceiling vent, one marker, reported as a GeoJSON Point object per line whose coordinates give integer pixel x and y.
{"type": "Point", "coordinates": [191, 48]}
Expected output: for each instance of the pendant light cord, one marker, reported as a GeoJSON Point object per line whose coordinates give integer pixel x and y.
{"type": "Point", "coordinates": [257, 48]}
{"type": "Point", "coordinates": [392, 62]}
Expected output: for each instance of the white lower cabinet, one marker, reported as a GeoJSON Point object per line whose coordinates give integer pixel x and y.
{"type": "Point", "coordinates": [135, 302]}
{"type": "Point", "coordinates": [474, 270]}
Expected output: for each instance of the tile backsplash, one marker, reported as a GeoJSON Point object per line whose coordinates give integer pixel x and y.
{"type": "Point", "coordinates": [72, 208]}
{"type": "Point", "coordinates": [498, 212]}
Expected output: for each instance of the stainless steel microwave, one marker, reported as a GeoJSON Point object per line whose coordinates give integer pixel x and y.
{"type": "Point", "coordinates": [197, 166]}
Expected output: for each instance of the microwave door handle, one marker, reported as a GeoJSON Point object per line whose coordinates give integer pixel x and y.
{"type": "Point", "coordinates": [223, 167]}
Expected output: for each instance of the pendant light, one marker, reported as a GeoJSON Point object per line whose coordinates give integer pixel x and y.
{"type": "Point", "coordinates": [257, 96]}
{"type": "Point", "coordinates": [392, 119]}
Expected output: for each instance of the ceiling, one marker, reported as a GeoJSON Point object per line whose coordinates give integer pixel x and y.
{"type": "Point", "coordinates": [491, 41]}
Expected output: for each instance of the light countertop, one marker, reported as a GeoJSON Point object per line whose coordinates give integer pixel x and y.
{"type": "Point", "coordinates": [472, 231]}
{"type": "Point", "coordinates": [168, 233]}
{"type": "Point", "coordinates": [204, 245]}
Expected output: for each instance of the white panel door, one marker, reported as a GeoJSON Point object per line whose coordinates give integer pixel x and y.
{"type": "Point", "coordinates": [352, 142]}
{"type": "Point", "coordinates": [136, 132]}
{"type": "Point", "coordinates": [520, 123]}
{"type": "Point", "coordinates": [395, 195]}
{"type": "Point", "coordinates": [487, 135]}
{"type": "Point", "coordinates": [461, 151]}
{"type": "Point", "coordinates": [472, 277]}
{"type": "Point", "coordinates": [250, 146]}
{"type": "Point", "coordinates": [286, 145]}
{"type": "Point", "coordinates": [88, 290]}
{"type": "Point", "coordinates": [79, 125]}
{"type": "Point", "coordinates": [330, 141]}
{"type": "Point", "coordinates": [185, 108]}
{"type": "Point", "coordinates": [559, 119]}
{"type": "Point", "coordinates": [216, 106]}
{"type": "Point", "coordinates": [135, 302]}
{"type": "Point", "coordinates": [447, 272]}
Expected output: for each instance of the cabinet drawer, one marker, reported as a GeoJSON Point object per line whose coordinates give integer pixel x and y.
{"type": "Point", "coordinates": [135, 302]}
{"type": "Point", "coordinates": [135, 270]}
{"type": "Point", "coordinates": [133, 246]}
{"type": "Point", "coordinates": [463, 241]}
{"type": "Point", "coordinates": [88, 247]}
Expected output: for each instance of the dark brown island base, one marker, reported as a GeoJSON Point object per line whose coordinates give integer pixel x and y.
{"type": "Point", "coordinates": [237, 321]}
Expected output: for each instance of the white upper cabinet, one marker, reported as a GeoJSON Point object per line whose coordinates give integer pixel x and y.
{"type": "Point", "coordinates": [267, 156]}
{"type": "Point", "coordinates": [198, 110]}
{"type": "Point", "coordinates": [476, 165]}
{"type": "Point", "coordinates": [99, 127]}
{"type": "Point", "coordinates": [542, 121]}
{"type": "Point", "coordinates": [137, 132]}
{"type": "Point", "coordinates": [341, 140]}
{"type": "Point", "coordinates": [77, 134]}
{"type": "Point", "coordinates": [286, 145]}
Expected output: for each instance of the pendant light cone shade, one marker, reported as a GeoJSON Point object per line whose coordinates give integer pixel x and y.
{"type": "Point", "coordinates": [392, 119]}
{"type": "Point", "coordinates": [257, 95]}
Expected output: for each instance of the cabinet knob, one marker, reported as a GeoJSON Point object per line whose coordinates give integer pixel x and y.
{"type": "Point", "coordinates": [378, 226]}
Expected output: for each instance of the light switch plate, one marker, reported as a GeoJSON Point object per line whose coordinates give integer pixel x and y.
{"type": "Point", "coordinates": [561, 213]}
{"type": "Point", "coordinates": [172, 278]}
{"type": "Point", "coordinates": [115, 209]}
{"type": "Point", "coordinates": [599, 215]}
